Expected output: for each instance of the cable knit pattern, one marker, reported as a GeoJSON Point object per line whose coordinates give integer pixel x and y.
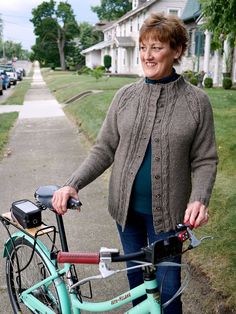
{"type": "Point", "coordinates": [178, 119]}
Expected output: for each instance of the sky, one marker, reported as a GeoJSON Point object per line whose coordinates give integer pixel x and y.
{"type": "Point", "coordinates": [17, 13]}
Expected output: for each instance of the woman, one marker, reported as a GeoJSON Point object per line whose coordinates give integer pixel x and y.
{"type": "Point", "coordinates": [159, 136]}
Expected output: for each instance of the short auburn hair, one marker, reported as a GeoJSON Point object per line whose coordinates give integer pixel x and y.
{"type": "Point", "coordinates": [165, 28]}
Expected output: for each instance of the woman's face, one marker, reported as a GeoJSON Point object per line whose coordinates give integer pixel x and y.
{"type": "Point", "coordinates": [157, 58]}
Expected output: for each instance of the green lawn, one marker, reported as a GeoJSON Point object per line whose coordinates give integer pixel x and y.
{"type": "Point", "coordinates": [6, 122]}
{"type": "Point", "coordinates": [20, 89]}
{"type": "Point", "coordinates": [217, 257]}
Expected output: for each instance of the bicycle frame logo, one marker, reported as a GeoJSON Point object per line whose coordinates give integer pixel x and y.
{"type": "Point", "coordinates": [121, 298]}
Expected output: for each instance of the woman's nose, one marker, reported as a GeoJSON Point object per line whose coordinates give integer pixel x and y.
{"type": "Point", "coordinates": [148, 53]}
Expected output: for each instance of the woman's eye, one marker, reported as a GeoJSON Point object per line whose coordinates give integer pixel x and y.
{"type": "Point", "coordinates": [142, 48]}
{"type": "Point", "coordinates": [156, 48]}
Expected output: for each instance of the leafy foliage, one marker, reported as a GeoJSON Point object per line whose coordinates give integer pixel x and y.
{"type": "Point", "coordinates": [208, 82]}
{"type": "Point", "coordinates": [107, 61]}
{"type": "Point", "coordinates": [54, 28]}
{"type": "Point", "coordinates": [220, 17]}
{"type": "Point", "coordinates": [227, 83]}
{"type": "Point", "coordinates": [111, 10]}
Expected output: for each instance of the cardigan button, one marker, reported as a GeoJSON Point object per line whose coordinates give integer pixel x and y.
{"type": "Point", "coordinates": [157, 177]}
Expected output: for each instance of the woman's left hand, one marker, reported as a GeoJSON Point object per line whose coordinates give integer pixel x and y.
{"type": "Point", "coordinates": [196, 214]}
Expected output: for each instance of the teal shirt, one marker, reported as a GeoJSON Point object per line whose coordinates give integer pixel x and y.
{"type": "Point", "coordinates": [141, 196]}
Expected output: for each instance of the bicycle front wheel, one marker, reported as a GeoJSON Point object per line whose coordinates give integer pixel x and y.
{"type": "Point", "coordinates": [21, 275]}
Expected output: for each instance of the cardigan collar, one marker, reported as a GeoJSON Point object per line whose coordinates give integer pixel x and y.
{"type": "Point", "coordinates": [171, 78]}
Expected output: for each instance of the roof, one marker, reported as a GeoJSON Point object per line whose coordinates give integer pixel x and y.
{"type": "Point", "coordinates": [192, 10]}
{"type": "Point", "coordinates": [131, 13]}
{"type": "Point", "coordinates": [98, 46]}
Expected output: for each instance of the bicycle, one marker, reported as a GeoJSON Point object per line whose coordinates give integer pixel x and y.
{"type": "Point", "coordinates": [37, 282]}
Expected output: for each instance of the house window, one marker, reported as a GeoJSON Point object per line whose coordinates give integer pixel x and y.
{"type": "Point", "coordinates": [138, 22]}
{"type": "Point", "coordinates": [131, 25]}
{"type": "Point", "coordinates": [199, 43]}
{"type": "Point", "coordinates": [173, 11]}
{"type": "Point", "coordinates": [137, 54]}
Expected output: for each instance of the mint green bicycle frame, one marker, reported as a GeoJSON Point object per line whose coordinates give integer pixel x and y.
{"type": "Point", "coordinates": [69, 301]}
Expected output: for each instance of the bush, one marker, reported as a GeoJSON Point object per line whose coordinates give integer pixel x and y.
{"type": "Point", "coordinates": [97, 73]}
{"type": "Point", "coordinates": [84, 70]}
{"type": "Point", "coordinates": [101, 67]}
{"type": "Point", "coordinates": [208, 82]}
{"type": "Point", "coordinates": [188, 74]}
{"type": "Point", "coordinates": [193, 80]}
{"type": "Point", "coordinates": [227, 83]}
{"type": "Point", "coordinates": [107, 62]}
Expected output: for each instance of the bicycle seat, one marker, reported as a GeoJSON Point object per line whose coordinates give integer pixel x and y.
{"type": "Point", "coordinates": [44, 194]}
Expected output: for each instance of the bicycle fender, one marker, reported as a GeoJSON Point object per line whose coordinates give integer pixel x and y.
{"type": "Point", "coordinates": [9, 243]}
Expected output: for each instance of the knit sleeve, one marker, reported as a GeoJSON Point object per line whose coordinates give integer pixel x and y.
{"type": "Point", "coordinates": [203, 153]}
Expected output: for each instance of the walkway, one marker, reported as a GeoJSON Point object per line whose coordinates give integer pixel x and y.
{"type": "Point", "coordinates": [45, 149]}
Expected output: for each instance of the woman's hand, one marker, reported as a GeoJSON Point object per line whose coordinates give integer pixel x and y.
{"type": "Point", "coordinates": [61, 197]}
{"type": "Point", "coordinates": [196, 214]}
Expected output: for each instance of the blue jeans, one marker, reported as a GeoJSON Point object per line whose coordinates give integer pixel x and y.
{"type": "Point", "coordinates": [138, 233]}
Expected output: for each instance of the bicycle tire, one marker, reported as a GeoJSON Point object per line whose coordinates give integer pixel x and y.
{"type": "Point", "coordinates": [36, 271]}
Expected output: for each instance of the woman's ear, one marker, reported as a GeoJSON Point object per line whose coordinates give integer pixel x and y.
{"type": "Point", "coordinates": [178, 52]}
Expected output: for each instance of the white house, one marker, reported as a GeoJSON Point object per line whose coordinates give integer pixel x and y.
{"type": "Point", "coordinates": [121, 40]}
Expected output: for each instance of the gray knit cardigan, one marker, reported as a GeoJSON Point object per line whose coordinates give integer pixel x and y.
{"type": "Point", "coordinates": [177, 118]}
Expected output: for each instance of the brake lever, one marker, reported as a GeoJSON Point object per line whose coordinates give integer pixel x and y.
{"type": "Point", "coordinates": [194, 242]}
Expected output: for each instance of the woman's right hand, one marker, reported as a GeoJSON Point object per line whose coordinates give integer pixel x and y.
{"type": "Point", "coordinates": [61, 197]}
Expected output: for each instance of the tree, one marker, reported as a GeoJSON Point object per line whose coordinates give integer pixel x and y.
{"type": "Point", "coordinates": [54, 26]}
{"type": "Point", "coordinates": [88, 36]}
{"type": "Point", "coordinates": [1, 28]}
{"type": "Point", "coordinates": [111, 10]}
{"type": "Point", "coordinates": [220, 17]}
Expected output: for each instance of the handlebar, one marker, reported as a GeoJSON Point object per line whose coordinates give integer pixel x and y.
{"type": "Point", "coordinates": [155, 253]}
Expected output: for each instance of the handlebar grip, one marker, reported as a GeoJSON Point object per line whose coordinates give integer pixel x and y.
{"type": "Point", "coordinates": [73, 203]}
{"type": "Point", "coordinates": [78, 257]}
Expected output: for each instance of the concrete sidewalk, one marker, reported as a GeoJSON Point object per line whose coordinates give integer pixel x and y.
{"type": "Point", "coordinates": [45, 149]}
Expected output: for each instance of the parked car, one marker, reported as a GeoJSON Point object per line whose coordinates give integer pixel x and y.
{"type": "Point", "coordinates": [1, 87]}
{"type": "Point", "coordinates": [22, 70]}
{"type": "Point", "coordinates": [19, 75]}
{"type": "Point", "coordinates": [5, 79]}
{"type": "Point", "coordinates": [11, 72]}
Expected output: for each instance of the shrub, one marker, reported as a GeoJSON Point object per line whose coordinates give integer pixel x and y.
{"type": "Point", "coordinates": [208, 82]}
{"type": "Point", "coordinates": [101, 67]}
{"type": "Point", "coordinates": [97, 73]}
{"type": "Point", "coordinates": [188, 74]}
{"type": "Point", "coordinates": [107, 62]}
{"type": "Point", "coordinates": [84, 70]}
{"type": "Point", "coordinates": [193, 80]}
{"type": "Point", "coordinates": [227, 83]}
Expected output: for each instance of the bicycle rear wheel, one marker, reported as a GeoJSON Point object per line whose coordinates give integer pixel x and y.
{"type": "Point", "coordinates": [37, 270]}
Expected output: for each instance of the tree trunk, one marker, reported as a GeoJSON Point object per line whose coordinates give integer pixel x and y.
{"type": "Point", "coordinates": [61, 45]}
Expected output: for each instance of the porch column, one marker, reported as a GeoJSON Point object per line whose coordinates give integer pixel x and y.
{"type": "Point", "coordinates": [226, 56]}
{"type": "Point", "coordinates": [216, 75]}
{"type": "Point", "coordinates": [207, 51]}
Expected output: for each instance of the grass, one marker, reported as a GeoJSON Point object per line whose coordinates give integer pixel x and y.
{"type": "Point", "coordinates": [65, 85]}
{"type": "Point", "coordinates": [17, 97]}
{"type": "Point", "coordinates": [6, 122]}
{"type": "Point", "coordinates": [216, 258]}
